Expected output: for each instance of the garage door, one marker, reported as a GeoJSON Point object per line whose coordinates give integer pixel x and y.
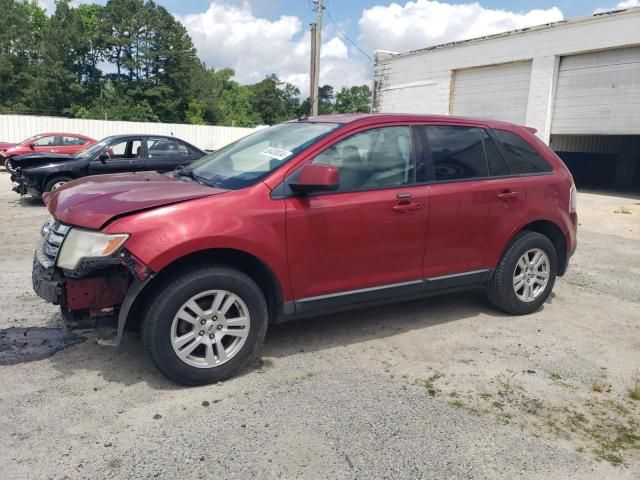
{"type": "Point", "coordinates": [499, 92]}
{"type": "Point", "coordinates": [598, 93]}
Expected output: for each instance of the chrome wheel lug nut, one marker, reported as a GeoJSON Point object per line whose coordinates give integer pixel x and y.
{"type": "Point", "coordinates": [215, 318]}
{"type": "Point", "coordinates": [211, 336]}
{"type": "Point", "coordinates": [219, 327]}
{"type": "Point", "coordinates": [203, 321]}
{"type": "Point", "coordinates": [201, 333]}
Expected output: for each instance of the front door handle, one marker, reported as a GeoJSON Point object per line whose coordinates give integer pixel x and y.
{"type": "Point", "coordinates": [406, 207]}
{"type": "Point", "coordinates": [508, 195]}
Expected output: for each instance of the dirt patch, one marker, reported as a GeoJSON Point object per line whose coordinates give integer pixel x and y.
{"type": "Point", "coordinates": [19, 345]}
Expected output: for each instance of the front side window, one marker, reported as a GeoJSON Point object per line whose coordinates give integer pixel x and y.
{"type": "Point", "coordinates": [127, 149]}
{"type": "Point", "coordinates": [376, 158]}
{"type": "Point", "coordinates": [457, 152]}
{"type": "Point", "coordinates": [521, 157]}
{"type": "Point", "coordinates": [251, 158]}
{"type": "Point", "coordinates": [46, 142]}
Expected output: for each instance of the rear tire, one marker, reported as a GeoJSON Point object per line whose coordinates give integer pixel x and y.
{"type": "Point", "coordinates": [185, 326]}
{"type": "Point", "coordinates": [525, 274]}
{"type": "Point", "coordinates": [56, 182]}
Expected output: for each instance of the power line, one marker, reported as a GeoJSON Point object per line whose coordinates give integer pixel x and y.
{"type": "Point", "coordinates": [344, 35]}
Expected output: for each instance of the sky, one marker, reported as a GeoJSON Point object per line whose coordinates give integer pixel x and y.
{"type": "Point", "coordinates": [259, 37]}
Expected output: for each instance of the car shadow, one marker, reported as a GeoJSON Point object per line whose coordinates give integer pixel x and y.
{"type": "Point", "coordinates": [29, 202]}
{"type": "Point", "coordinates": [357, 326]}
{"type": "Point", "coordinates": [128, 364]}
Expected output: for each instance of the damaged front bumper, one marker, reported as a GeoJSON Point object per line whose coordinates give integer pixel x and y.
{"type": "Point", "coordinates": [98, 290]}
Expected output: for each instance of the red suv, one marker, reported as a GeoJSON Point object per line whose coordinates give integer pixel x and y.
{"type": "Point", "coordinates": [61, 143]}
{"type": "Point", "coordinates": [305, 218]}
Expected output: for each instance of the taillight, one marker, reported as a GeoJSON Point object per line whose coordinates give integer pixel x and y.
{"type": "Point", "coordinates": [573, 199]}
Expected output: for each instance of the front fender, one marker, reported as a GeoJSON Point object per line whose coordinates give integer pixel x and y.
{"type": "Point", "coordinates": [161, 236]}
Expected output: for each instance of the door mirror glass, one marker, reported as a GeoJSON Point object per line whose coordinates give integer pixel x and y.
{"type": "Point", "coordinates": [316, 178]}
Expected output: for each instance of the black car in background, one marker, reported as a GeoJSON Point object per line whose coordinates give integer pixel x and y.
{"type": "Point", "coordinates": [39, 173]}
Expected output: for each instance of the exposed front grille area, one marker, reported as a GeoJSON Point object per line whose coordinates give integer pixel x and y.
{"type": "Point", "coordinates": [52, 237]}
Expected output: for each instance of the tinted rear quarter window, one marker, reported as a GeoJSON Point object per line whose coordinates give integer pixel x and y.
{"type": "Point", "coordinates": [497, 165]}
{"type": "Point", "coordinates": [457, 152]}
{"type": "Point", "coordinates": [522, 158]}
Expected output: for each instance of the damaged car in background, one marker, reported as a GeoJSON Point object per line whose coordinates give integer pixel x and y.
{"type": "Point", "coordinates": [36, 174]}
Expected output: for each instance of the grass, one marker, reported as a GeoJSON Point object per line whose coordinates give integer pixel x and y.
{"type": "Point", "coordinates": [429, 383]}
{"type": "Point", "coordinates": [634, 391]}
{"type": "Point", "coordinates": [623, 210]}
{"type": "Point", "coordinates": [600, 387]}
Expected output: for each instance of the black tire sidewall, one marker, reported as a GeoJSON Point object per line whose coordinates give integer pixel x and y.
{"type": "Point", "coordinates": [525, 242]}
{"type": "Point", "coordinates": [157, 325]}
{"type": "Point", "coordinates": [51, 182]}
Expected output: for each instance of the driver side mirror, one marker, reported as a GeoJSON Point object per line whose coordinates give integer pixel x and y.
{"type": "Point", "coordinates": [316, 178]}
{"type": "Point", "coordinates": [104, 156]}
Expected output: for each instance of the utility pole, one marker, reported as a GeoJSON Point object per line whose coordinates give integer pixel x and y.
{"type": "Point", "coordinates": [313, 86]}
{"type": "Point", "coordinates": [316, 38]}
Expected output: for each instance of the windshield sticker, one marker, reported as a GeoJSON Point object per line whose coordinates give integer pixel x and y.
{"type": "Point", "coordinates": [276, 153]}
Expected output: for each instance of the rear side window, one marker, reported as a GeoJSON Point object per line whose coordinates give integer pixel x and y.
{"type": "Point", "coordinates": [497, 165]}
{"type": "Point", "coordinates": [522, 158]}
{"type": "Point", "coordinates": [457, 152]}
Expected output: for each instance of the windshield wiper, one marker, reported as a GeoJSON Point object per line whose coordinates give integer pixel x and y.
{"type": "Point", "coordinates": [179, 171]}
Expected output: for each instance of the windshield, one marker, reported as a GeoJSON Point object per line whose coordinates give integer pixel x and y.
{"type": "Point", "coordinates": [251, 158]}
{"type": "Point", "coordinates": [93, 149]}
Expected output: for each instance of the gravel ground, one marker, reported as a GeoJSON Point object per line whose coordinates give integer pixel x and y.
{"type": "Point", "coordinates": [438, 388]}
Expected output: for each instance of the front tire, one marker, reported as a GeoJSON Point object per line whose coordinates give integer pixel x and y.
{"type": "Point", "coordinates": [205, 325]}
{"type": "Point", "coordinates": [55, 183]}
{"type": "Point", "coordinates": [525, 274]}
{"type": "Point", "coordinates": [7, 165]}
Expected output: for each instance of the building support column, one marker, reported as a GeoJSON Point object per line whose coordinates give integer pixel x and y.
{"type": "Point", "coordinates": [542, 92]}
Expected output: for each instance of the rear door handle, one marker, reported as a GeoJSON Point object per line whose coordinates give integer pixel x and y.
{"type": "Point", "coordinates": [508, 195]}
{"type": "Point", "coordinates": [406, 207]}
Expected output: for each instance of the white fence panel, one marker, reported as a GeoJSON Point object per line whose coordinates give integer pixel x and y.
{"type": "Point", "coordinates": [15, 128]}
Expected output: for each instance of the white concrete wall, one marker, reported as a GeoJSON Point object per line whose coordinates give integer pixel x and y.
{"type": "Point", "coordinates": [420, 81]}
{"type": "Point", "coordinates": [15, 128]}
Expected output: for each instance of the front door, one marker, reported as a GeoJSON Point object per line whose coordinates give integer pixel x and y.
{"type": "Point", "coordinates": [475, 203]}
{"type": "Point", "coordinates": [370, 234]}
{"type": "Point", "coordinates": [123, 156]}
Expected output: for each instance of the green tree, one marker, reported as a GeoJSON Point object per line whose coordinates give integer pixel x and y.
{"type": "Point", "coordinates": [354, 99]}
{"type": "Point", "coordinates": [275, 101]}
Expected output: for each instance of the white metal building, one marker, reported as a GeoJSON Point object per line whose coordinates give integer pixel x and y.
{"type": "Point", "coordinates": [576, 81]}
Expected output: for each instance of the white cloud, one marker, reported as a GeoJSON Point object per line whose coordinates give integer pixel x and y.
{"type": "Point", "coordinates": [619, 6]}
{"type": "Point", "coordinates": [423, 23]}
{"type": "Point", "coordinates": [231, 35]}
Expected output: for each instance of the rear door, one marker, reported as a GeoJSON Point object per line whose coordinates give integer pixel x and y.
{"type": "Point", "coordinates": [474, 201]}
{"type": "Point", "coordinates": [165, 154]}
{"type": "Point", "coordinates": [369, 235]}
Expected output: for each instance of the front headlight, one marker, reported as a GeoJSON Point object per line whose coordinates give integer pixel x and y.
{"type": "Point", "coordinates": [80, 244]}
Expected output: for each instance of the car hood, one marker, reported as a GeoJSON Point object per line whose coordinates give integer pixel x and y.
{"type": "Point", "coordinates": [37, 159]}
{"type": "Point", "coordinates": [91, 202]}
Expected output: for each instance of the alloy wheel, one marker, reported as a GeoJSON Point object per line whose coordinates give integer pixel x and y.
{"type": "Point", "coordinates": [210, 328]}
{"type": "Point", "coordinates": [531, 275]}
